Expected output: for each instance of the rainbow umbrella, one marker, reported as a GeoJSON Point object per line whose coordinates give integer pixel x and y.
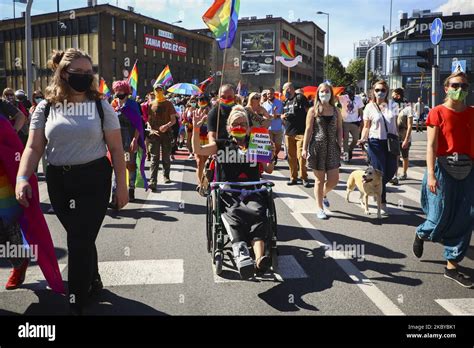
{"type": "Point", "coordinates": [185, 89]}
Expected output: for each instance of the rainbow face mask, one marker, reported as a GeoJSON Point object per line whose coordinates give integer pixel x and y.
{"type": "Point", "coordinates": [238, 133]}
{"type": "Point", "coordinates": [227, 103]}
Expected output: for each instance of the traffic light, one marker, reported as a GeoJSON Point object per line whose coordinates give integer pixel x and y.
{"type": "Point", "coordinates": [428, 56]}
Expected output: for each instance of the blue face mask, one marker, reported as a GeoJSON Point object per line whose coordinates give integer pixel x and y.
{"type": "Point", "coordinates": [287, 95]}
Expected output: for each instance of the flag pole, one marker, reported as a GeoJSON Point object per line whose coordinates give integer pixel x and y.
{"type": "Point", "coordinates": [289, 74]}
{"type": "Point", "coordinates": [223, 68]}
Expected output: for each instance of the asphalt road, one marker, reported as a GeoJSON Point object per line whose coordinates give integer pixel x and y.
{"type": "Point", "coordinates": [153, 257]}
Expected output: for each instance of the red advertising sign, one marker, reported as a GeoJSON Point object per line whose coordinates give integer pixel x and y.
{"type": "Point", "coordinates": [162, 44]}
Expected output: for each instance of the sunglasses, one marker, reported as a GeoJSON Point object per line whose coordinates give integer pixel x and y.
{"type": "Point", "coordinates": [380, 90]}
{"type": "Point", "coordinates": [464, 86]}
{"type": "Point", "coordinates": [9, 95]}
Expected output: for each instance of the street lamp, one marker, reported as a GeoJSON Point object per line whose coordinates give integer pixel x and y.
{"type": "Point", "coordinates": [327, 54]}
{"type": "Point", "coordinates": [180, 21]}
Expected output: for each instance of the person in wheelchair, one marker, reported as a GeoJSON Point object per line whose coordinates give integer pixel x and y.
{"type": "Point", "coordinates": [244, 216]}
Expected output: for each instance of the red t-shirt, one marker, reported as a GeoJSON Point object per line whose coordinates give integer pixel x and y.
{"type": "Point", "coordinates": [456, 130]}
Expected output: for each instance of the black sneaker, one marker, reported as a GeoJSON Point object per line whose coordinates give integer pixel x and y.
{"type": "Point", "coordinates": [292, 182]}
{"type": "Point", "coordinates": [131, 195]}
{"type": "Point", "coordinates": [306, 183]}
{"type": "Point", "coordinates": [350, 155]}
{"type": "Point", "coordinates": [458, 277]}
{"type": "Point", "coordinates": [153, 187]}
{"type": "Point", "coordinates": [418, 246]}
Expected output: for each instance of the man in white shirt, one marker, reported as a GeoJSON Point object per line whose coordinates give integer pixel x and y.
{"type": "Point", "coordinates": [419, 110]}
{"type": "Point", "coordinates": [351, 112]}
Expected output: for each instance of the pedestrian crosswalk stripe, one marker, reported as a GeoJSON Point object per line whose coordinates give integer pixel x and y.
{"type": "Point", "coordinates": [142, 272]}
{"type": "Point", "coordinates": [457, 306]}
{"type": "Point", "coordinates": [288, 268]}
{"type": "Point", "coordinates": [34, 279]}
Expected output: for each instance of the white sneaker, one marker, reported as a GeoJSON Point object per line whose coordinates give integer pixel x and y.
{"type": "Point", "coordinates": [384, 210]}
{"type": "Point", "coordinates": [244, 262]}
{"type": "Point", "coordinates": [191, 156]}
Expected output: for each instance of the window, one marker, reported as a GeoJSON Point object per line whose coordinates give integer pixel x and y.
{"type": "Point", "coordinates": [285, 34]}
{"type": "Point", "coordinates": [83, 25]}
{"type": "Point", "coordinates": [124, 29]}
{"type": "Point", "coordinates": [298, 41]}
{"type": "Point", "coordinates": [135, 32]}
{"type": "Point", "coordinates": [113, 28]}
{"type": "Point", "coordinates": [114, 68]}
{"type": "Point", "coordinates": [94, 24]}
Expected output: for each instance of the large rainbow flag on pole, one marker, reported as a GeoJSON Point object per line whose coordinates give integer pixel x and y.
{"type": "Point", "coordinates": [164, 78]}
{"type": "Point", "coordinates": [104, 89]}
{"type": "Point", "coordinates": [133, 80]}
{"type": "Point", "coordinates": [222, 19]}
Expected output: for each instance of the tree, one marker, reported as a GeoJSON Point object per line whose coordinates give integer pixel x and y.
{"type": "Point", "coordinates": [356, 69]}
{"type": "Point", "coordinates": [336, 73]}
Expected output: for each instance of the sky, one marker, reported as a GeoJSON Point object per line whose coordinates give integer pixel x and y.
{"type": "Point", "coordinates": [349, 20]}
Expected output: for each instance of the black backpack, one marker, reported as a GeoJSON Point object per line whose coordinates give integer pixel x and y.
{"type": "Point", "coordinates": [98, 104]}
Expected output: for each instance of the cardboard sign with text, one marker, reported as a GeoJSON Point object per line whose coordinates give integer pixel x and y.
{"type": "Point", "coordinates": [260, 145]}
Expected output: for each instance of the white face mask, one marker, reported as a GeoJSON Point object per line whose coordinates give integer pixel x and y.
{"type": "Point", "coordinates": [325, 97]}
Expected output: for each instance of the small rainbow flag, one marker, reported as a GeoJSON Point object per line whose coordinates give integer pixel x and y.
{"type": "Point", "coordinates": [104, 89]}
{"type": "Point", "coordinates": [222, 19]}
{"type": "Point", "coordinates": [165, 78]}
{"type": "Point", "coordinates": [133, 80]}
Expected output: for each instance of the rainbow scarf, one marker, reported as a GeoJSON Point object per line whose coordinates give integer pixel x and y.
{"type": "Point", "coordinates": [131, 110]}
{"type": "Point", "coordinates": [31, 219]}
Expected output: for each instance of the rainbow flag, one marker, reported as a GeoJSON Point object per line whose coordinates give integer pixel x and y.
{"type": "Point", "coordinates": [104, 89]}
{"type": "Point", "coordinates": [165, 77]}
{"type": "Point", "coordinates": [288, 52]}
{"type": "Point", "coordinates": [133, 80]}
{"type": "Point", "coordinates": [222, 19]}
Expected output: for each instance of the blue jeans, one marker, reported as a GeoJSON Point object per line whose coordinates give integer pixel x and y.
{"type": "Point", "coordinates": [384, 161]}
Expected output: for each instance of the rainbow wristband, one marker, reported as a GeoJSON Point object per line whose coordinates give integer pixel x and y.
{"type": "Point", "coordinates": [21, 178]}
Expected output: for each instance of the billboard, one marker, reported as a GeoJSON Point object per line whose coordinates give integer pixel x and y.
{"type": "Point", "coordinates": [258, 40]}
{"type": "Point", "coordinates": [166, 45]}
{"type": "Point", "coordinates": [257, 63]}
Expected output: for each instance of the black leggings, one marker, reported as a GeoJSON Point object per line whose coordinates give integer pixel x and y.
{"type": "Point", "coordinates": [80, 198]}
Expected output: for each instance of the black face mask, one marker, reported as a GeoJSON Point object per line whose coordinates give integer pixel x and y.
{"type": "Point", "coordinates": [397, 100]}
{"type": "Point", "coordinates": [121, 96]}
{"type": "Point", "coordinates": [80, 82]}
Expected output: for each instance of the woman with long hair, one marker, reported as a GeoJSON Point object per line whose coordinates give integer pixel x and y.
{"type": "Point", "coordinates": [322, 145]}
{"type": "Point", "coordinates": [201, 113]}
{"type": "Point", "coordinates": [380, 122]}
{"type": "Point", "coordinates": [447, 195]}
{"type": "Point", "coordinates": [258, 115]}
{"type": "Point", "coordinates": [76, 126]}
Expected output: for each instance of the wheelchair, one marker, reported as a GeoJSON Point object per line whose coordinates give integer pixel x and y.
{"type": "Point", "coordinates": [218, 241]}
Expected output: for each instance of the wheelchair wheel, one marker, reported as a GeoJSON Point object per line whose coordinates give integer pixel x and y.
{"type": "Point", "coordinates": [209, 223]}
{"type": "Point", "coordinates": [274, 257]}
{"type": "Point", "coordinates": [218, 261]}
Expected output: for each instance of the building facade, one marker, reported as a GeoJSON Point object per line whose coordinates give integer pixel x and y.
{"type": "Point", "coordinates": [457, 43]}
{"type": "Point", "coordinates": [115, 38]}
{"type": "Point", "coordinates": [377, 57]}
{"type": "Point", "coordinates": [251, 59]}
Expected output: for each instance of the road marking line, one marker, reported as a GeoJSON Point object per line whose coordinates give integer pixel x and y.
{"type": "Point", "coordinates": [370, 289]}
{"type": "Point", "coordinates": [457, 306]}
{"type": "Point", "coordinates": [366, 285]}
{"type": "Point", "coordinates": [288, 268]}
{"type": "Point", "coordinates": [142, 272]}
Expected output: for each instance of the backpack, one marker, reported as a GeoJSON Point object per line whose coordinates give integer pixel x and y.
{"type": "Point", "coordinates": [98, 104]}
